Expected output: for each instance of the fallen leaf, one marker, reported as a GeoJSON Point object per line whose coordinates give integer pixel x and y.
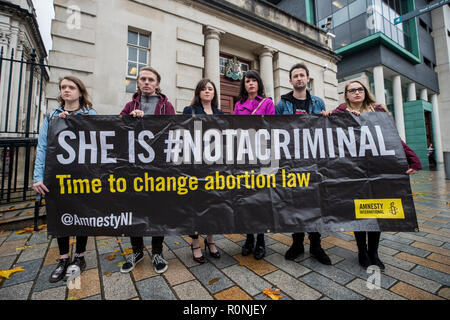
{"type": "Point", "coordinates": [176, 242]}
{"type": "Point", "coordinates": [24, 247]}
{"type": "Point", "coordinates": [72, 241]}
{"type": "Point", "coordinates": [115, 251]}
{"type": "Point", "coordinates": [31, 229]}
{"type": "Point", "coordinates": [119, 241]}
{"type": "Point", "coordinates": [7, 273]}
{"type": "Point", "coordinates": [127, 252]}
{"type": "Point", "coordinates": [30, 212]}
{"type": "Point", "coordinates": [72, 298]}
{"type": "Point", "coordinates": [273, 294]}
{"type": "Point", "coordinates": [120, 264]}
{"type": "Point", "coordinates": [111, 257]}
{"type": "Point", "coordinates": [211, 282]}
{"type": "Point", "coordinates": [103, 243]}
{"type": "Point", "coordinates": [108, 274]}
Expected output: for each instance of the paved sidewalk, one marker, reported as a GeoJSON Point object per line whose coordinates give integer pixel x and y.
{"type": "Point", "coordinates": [417, 264]}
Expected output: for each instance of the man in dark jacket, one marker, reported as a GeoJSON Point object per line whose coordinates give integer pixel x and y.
{"type": "Point", "coordinates": [301, 102]}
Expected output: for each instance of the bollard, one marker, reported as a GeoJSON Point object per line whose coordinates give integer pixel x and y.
{"type": "Point", "coordinates": [447, 164]}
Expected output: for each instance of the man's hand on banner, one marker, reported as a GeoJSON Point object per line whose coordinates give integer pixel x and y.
{"type": "Point", "coordinates": [137, 113]}
{"type": "Point", "coordinates": [40, 187]}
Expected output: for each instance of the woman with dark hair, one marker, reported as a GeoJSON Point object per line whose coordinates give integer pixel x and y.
{"type": "Point", "coordinates": [148, 100]}
{"type": "Point", "coordinates": [205, 99]}
{"type": "Point", "coordinates": [73, 100]}
{"type": "Point", "coordinates": [253, 101]}
{"type": "Point", "coordinates": [204, 102]}
{"type": "Point", "coordinates": [358, 99]}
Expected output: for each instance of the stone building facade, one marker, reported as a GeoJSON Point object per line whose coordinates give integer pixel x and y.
{"type": "Point", "coordinates": [105, 43]}
{"type": "Point", "coordinates": [19, 34]}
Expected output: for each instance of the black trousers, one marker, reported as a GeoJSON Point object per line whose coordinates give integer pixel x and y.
{"type": "Point", "coordinates": [314, 237]}
{"type": "Point", "coordinates": [137, 243]}
{"type": "Point", "coordinates": [63, 244]}
{"type": "Point", "coordinates": [373, 240]}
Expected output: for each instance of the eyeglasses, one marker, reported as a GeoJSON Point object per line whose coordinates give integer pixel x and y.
{"type": "Point", "coordinates": [353, 91]}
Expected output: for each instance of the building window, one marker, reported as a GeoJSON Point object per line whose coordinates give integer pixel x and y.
{"type": "Point", "coordinates": [138, 47]}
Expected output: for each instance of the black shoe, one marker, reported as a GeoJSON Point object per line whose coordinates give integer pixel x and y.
{"type": "Point", "coordinates": [247, 248]}
{"type": "Point", "coordinates": [200, 259]}
{"type": "Point", "coordinates": [74, 269]}
{"type": "Point", "coordinates": [212, 254]}
{"type": "Point", "coordinates": [363, 259]}
{"type": "Point", "coordinates": [132, 260]}
{"type": "Point", "coordinates": [375, 260]}
{"type": "Point", "coordinates": [317, 252]}
{"type": "Point", "coordinates": [294, 251]}
{"type": "Point", "coordinates": [159, 263]}
{"type": "Point", "coordinates": [60, 271]}
{"type": "Point", "coordinates": [260, 251]}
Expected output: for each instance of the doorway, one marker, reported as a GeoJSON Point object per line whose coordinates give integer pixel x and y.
{"type": "Point", "coordinates": [430, 142]}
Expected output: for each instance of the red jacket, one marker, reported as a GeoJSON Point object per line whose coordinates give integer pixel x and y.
{"type": "Point", "coordinates": [411, 156]}
{"type": "Point", "coordinates": [163, 107]}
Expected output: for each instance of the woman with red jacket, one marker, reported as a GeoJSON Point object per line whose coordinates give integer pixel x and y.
{"type": "Point", "coordinates": [358, 99]}
{"type": "Point", "coordinates": [148, 100]}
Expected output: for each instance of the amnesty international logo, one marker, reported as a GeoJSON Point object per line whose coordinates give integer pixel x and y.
{"type": "Point", "coordinates": [379, 209]}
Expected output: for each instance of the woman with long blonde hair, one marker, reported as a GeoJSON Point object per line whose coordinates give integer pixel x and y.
{"type": "Point", "coordinates": [358, 99]}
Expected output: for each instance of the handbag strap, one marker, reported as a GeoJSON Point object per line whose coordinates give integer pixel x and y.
{"type": "Point", "coordinates": [256, 109]}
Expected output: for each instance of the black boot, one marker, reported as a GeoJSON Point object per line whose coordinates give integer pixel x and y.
{"type": "Point", "coordinates": [297, 247]}
{"type": "Point", "coordinates": [260, 247]}
{"type": "Point", "coordinates": [363, 256]}
{"type": "Point", "coordinates": [60, 270]}
{"type": "Point", "coordinates": [373, 241]}
{"type": "Point", "coordinates": [315, 249]}
{"type": "Point", "coordinates": [249, 245]}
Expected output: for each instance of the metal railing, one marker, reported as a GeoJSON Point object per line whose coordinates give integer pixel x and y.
{"type": "Point", "coordinates": [21, 95]}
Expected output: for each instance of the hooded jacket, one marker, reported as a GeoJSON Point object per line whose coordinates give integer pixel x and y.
{"type": "Point", "coordinates": [314, 105]}
{"type": "Point", "coordinates": [163, 107]}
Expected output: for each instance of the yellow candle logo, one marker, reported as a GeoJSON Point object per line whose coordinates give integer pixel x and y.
{"type": "Point", "coordinates": [379, 209]}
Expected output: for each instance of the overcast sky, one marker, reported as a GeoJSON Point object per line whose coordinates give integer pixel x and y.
{"type": "Point", "coordinates": [45, 14]}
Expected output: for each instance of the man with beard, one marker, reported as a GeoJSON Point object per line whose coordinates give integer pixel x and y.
{"type": "Point", "coordinates": [301, 102]}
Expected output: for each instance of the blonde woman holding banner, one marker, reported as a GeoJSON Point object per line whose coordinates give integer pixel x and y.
{"type": "Point", "coordinates": [358, 99]}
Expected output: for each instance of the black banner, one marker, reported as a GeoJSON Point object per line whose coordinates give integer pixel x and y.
{"type": "Point", "coordinates": [177, 175]}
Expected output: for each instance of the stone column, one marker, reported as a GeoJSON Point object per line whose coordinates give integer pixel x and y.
{"type": "Point", "coordinates": [424, 95]}
{"type": "Point", "coordinates": [212, 53]}
{"type": "Point", "coordinates": [437, 129]}
{"type": "Point", "coordinates": [378, 78]}
{"type": "Point", "coordinates": [398, 106]}
{"type": "Point", "coordinates": [266, 70]}
{"type": "Point", "coordinates": [412, 96]}
{"type": "Point", "coordinates": [5, 36]}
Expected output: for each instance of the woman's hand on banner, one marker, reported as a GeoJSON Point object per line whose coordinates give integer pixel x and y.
{"type": "Point", "coordinates": [326, 113]}
{"type": "Point", "coordinates": [40, 187]}
{"type": "Point", "coordinates": [63, 115]}
{"type": "Point", "coordinates": [137, 113]}
{"type": "Point", "coordinates": [411, 171]}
